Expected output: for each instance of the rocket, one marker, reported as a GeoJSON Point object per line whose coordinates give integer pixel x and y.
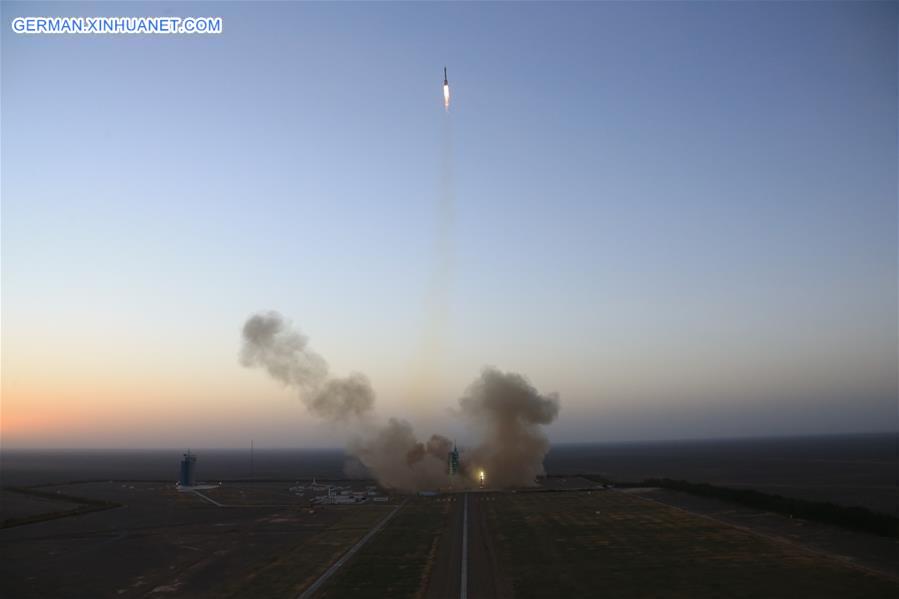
{"type": "Point", "coordinates": [446, 93]}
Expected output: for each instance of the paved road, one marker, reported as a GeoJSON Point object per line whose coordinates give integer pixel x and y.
{"type": "Point", "coordinates": [315, 586]}
{"type": "Point", "coordinates": [246, 505]}
{"type": "Point", "coordinates": [463, 578]}
{"type": "Point", "coordinates": [485, 581]}
{"type": "Point", "coordinates": [208, 498]}
{"type": "Point", "coordinates": [445, 577]}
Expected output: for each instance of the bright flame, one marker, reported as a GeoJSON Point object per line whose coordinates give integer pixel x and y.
{"type": "Point", "coordinates": [481, 475]}
{"type": "Point", "coordinates": [446, 96]}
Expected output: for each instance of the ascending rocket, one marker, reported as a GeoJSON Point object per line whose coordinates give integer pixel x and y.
{"type": "Point", "coordinates": [445, 90]}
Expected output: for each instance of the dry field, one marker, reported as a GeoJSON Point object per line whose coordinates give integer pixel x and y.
{"type": "Point", "coordinates": [397, 562]}
{"type": "Point", "coordinates": [605, 542]}
{"type": "Point", "coordinates": [162, 543]}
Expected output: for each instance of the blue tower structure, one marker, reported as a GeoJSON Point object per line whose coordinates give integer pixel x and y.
{"type": "Point", "coordinates": [453, 461]}
{"type": "Point", "coordinates": [188, 470]}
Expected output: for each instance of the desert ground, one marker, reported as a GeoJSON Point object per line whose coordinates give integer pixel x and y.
{"type": "Point", "coordinates": [569, 537]}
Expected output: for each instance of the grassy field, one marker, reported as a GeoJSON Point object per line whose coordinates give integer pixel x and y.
{"type": "Point", "coordinates": [287, 572]}
{"type": "Point", "coordinates": [160, 542]}
{"type": "Point", "coordinates": [164, 543]}
{"type": "Point", "coordinates": [21, 506]}
{"type": "Point", "coordinates": [15, 505]}
{"type": "Point", "coordinates": [396, 562]}
{"type": "Point", "coordinates": [604, 542]}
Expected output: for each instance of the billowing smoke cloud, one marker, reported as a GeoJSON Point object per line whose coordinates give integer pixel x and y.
{"type": "Point", "coordinates": [268, 341]}
{"type": "Point", "coordinates": [503, 407]}
{"type": "Point", "coordinates": [509, 412]}
{"type": "Point", "coordinates": [399, 460]}
{"type": "Point", "coordinates": [341, 399]}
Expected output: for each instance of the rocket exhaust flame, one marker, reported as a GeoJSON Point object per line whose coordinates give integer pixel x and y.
{"type": "Point", "coordinates": [446, 94]}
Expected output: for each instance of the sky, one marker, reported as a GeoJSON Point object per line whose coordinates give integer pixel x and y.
{"type": "Point", "coordinates": [679, 216]}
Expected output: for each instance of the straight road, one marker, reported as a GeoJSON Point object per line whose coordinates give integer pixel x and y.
{"type": "Point", "coordinates": [485, 581]}
{"type": "Point", "coordinates": [445, 580]}
{"type": "Point", "coordinates": [463, 578]}
{"type": "Point", "coordinates": [315, 586]}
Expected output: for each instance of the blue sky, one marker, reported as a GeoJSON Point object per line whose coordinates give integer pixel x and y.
{"type": "Point", "coordinates": [680, 216]}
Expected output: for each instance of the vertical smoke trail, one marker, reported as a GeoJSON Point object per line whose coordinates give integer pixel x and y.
{"type": "Point", "coordinates": [504, 407]}
{"type": "Point", "coordinates": [432, 345]}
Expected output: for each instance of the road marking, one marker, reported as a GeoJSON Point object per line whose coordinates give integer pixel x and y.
{"type": "Point", "coordinates": [346, 556]}
{"type": "Point", "coordinates": [463, 592]}
{"type": "Point", "coordinates": [207, 498]}
{"type": "Point", "coordinates": [246, 505]}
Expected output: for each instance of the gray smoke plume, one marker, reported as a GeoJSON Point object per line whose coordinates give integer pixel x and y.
{"type": "Point", "coordinates": [506, 410]}
{"type": "Point", "coordinates": [399, 460]}
{"type": "Point", "coordinates": [340, 399]}
{"type": "Point", "coordinates": [269, 342]}
{"type": "Point", "coordinates": [509, 412]}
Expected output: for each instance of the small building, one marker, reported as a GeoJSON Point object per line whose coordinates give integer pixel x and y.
{"type": "Point", "coordinates": [337, 499]}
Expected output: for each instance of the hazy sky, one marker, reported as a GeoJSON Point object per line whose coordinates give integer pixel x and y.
{"type": "Point", "coordinates": [680, 216]}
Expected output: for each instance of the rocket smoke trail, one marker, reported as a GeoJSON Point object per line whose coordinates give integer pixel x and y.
{"type": "Point", "coordinates": [269, 342]}
{"type": "Point", "coordinates": [504, 410]}
{"type": "Point", "coordinates": [425, 375]}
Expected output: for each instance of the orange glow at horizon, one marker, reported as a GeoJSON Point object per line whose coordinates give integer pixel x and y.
{"type": "Point", "coordinates": [23, 418]}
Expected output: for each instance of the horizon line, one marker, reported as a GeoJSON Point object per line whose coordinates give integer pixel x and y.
{"type": "Point", "coordinates": [555, 444]}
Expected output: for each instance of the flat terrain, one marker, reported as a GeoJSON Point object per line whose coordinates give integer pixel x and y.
{"type": "Point", "coordinates": [567, 539]}
{"type": "Point", "coordinates": [843, 469]}
{"type": "Point", "coordinates": [560, 542]}
{"type": "Point", "coordinates": [19, 505]}
{"type": "Point", "coordinates": [444, 578]}
{"type": "Point", "coordinates": [487, 576]}
{"type": "Point", "coordinates": [165, 543]}
{"type": "Point", "coordinates": [399, 560]}
{"type": "Point", "coordinates": [580, 543]}
{"type": "Point", "coordinates": [864, 549]}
